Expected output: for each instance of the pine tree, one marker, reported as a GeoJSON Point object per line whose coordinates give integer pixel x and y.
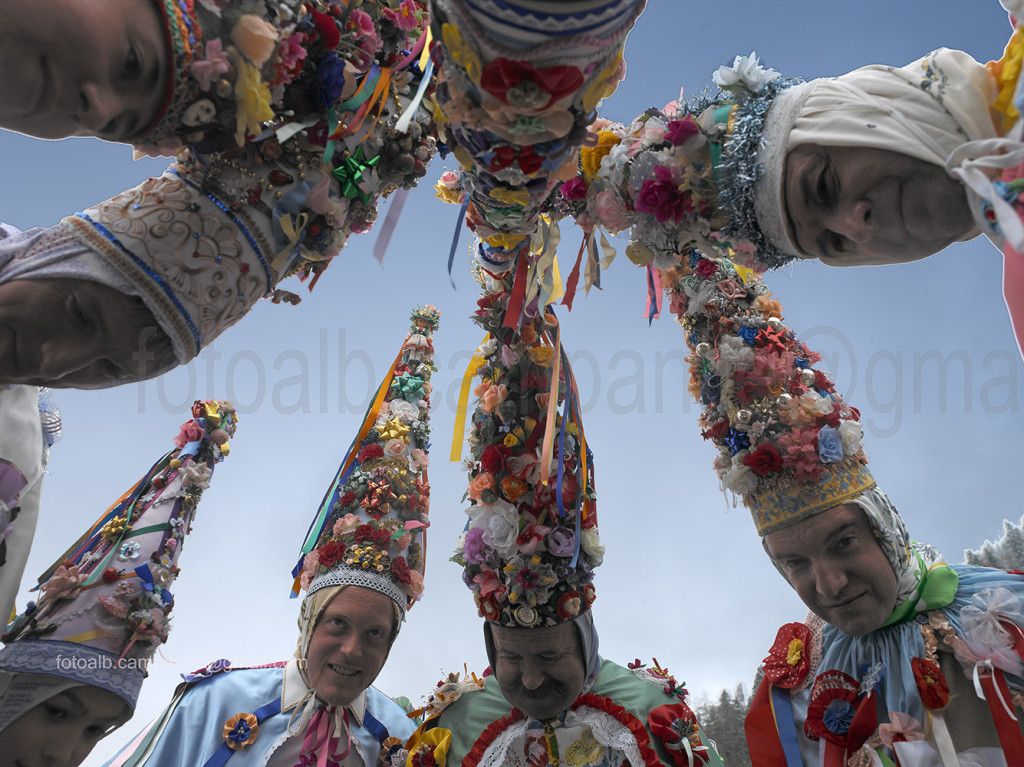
{"type": "Point", "coordinates": [723, 723]}
{"type": "Point", "coordinates": [1007, 552]}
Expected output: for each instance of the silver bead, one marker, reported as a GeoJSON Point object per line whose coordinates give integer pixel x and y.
{"type": "Point", "coordinates": [807, 376]}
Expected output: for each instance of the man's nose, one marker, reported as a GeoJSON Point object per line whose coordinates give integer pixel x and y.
{"type": "Point", "coordinates": [98, 107]}
{"type": "Point", "coordinates": [854, 221]}
{"type": "Point", "coordinates": [63, 354]}
{"type": "Point", "coordinates": [532, 676]}
{"type": "Point", "coordinates": [830, 580]}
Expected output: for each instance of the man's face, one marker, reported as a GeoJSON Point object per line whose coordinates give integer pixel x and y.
{"type": "Point", "coordinates": [539, 671]}
{"type": "Point", "coordinates": [349, 644]}
{"type": "Point", "coordinates": [838, 569]}
{"type": "Point", "coordinates": [65, 333]}
{"type": "Point", "coordinates": [61, 731]}
{"type": "Point", "coordinates": [858, 205]}
{"type": "Point", "coordinates": [81, 67]}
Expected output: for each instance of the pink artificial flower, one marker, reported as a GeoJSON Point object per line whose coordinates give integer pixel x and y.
{"type": "Point", "coordinates": [405, 17]}
{"type": "Point", "coordinates": [191, 431]}
{"type": "Point", "coordinates": [213, 65]}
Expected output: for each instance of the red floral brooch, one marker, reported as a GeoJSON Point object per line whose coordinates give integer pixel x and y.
{"type": "Point", "coordinates": [788, 660]}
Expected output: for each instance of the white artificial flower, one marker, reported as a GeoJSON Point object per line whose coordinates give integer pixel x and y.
{"type": "Point", "coordinates": [590, 542]}
{"type": "Point", "coordinates": [746, 72]}
{"type": "Point", "coordinates": [501, 520]}
{"type": "Point", "coordinates": [740, 479]}
{"type": "Point", "coordinates": [851, 434]}
{"type": "Point", "coordinates": [733, 354]}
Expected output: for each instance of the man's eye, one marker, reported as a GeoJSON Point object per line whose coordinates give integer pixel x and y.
{"type": "Point", "coordinates": [132, 66]}
{"type": "Point", "coordinates": [836, 243]}
{"type": "Point", "coordinates": [55, 713]}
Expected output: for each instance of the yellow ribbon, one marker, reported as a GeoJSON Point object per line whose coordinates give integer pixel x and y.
{"type": "Point", "coordinates": [294, 233]}
{"type": "Point", "coordinates": [593, 264]}
{"type": "Point", "coordinates": [86, 636]}
{"type": "Point", "coordinates": [459, 432]}
{"type": "Point", "coordinates": [426, 50]}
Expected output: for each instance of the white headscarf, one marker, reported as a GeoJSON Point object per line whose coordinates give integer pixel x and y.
{"type": "Point", "coordinates": [926, 110]}
{"type": "Point", "coordinates": [20, 693]}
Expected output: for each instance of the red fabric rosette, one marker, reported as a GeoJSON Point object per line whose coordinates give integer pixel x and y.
{"type": "Point", "coordinates": [502, 75]}
{"type": "Point", "coordinates": [676, 726]}
{"type": "Point", "coordinates": [840, 716]}
{"type": "Point", "coordinates": [788, 659]}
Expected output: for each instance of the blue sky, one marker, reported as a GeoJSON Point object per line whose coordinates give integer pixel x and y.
{"type": "Point", "coordinates": [924, 350]}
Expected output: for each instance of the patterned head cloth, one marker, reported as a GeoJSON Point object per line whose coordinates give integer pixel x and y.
{"type": "Point", "coordinates": [370, 530]}
{"type": "Point", "coordinates": [532, 544]}
{"type": "Point", "coordinates": [104, 606]}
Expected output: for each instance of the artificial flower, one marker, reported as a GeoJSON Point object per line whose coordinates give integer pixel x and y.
{"type": "Point", "coordinates": [213, 64]}
{"type": "Point", "coordinates": [406, 17]}
{"type": "Point", "coordinates": [788, 659]}
{"type": "Point", "coordinates": [255, 38]}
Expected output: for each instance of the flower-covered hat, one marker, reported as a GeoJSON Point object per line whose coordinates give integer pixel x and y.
{"type": "Point", "coordinates": [532, 544]}
{"type": "Point", "coordinates": [238, 66]}
{"type": "Point", "coordinates": [702, 174]}
{"type": "Point", "coordinates": [370, 530]}
{"type": "Point", "coordinates": [518, 84]}
{"type": "Point", "coordinates": [104, 607]}
{"type": "Point", "coordinates": [789, 445]}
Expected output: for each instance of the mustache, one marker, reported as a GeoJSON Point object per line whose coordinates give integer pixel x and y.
{"type": "Point", "coordinates": [548, 689]}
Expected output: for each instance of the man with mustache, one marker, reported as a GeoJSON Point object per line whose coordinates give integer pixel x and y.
{"type": "Point", "coordinates": [529, 555]}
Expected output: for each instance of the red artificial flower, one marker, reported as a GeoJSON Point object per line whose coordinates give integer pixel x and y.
{"type": "Point", "coordinates": [833, 419]}
{"type": "Point", "coordinates": [330, 554]}
{"type": "Point", "coordinates": [589, 594]}
{"type": "Point", "coordinates": [347, 499]}
{"type": "Point", "coordinates": [717, 431]}
{"type": "Point", "coordinates": [789, 660]}
{"type": "Point", "coordinates": [931, 683]}
{"type": "Point", "coordinates": [574, 189]}
{"type": "Point", "coordinates": [764, 461]}
{"type": "Point", "coordinates": [492, 459]}
{"type": "Point", "coordinates": [370, 452]}
{"type": "Point", "coordinates": [661, 196]}
{"type": "Point", "coordinates": [327, 29]}
{"type": "Point", "coordinates": [680, 130]}
{"type": "Point", "coordinates": [400, 569]}
{"type": "Point", "coordinates": [821, 382]}
{"type": "Point", "coordinates": [706, 268]}
{"type": "Point", "coordinates": [567, 603]}
{"type": "Point", "coordinates": [502, 75]}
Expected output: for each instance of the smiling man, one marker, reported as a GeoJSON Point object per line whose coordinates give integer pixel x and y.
{"type": "Point", "coordinates": [361, 568]}
{"type": "Point", "coordinates": [901, 655]}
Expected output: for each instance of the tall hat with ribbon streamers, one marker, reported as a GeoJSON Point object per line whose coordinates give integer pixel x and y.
{"type": "Point", "coordinates": [241, 68]}
{"type": "Point", "coordinates": [518, 84]}
{"type": "Point", "coordinates": [532, 544]}
{"type": "Point", "coordinates": [789, 445]}
{"type": "Point", "coordinates": [370, 529]}
{"type": "Point", "coordinates": [105, 605]}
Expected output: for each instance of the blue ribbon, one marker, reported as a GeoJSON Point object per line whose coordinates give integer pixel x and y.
{"type": "Point", "coordinates": [782, 708]}
{"type": "Point", "coordinates": [225, 752]}
{"type": "Point", "coordinates": [455, 238]}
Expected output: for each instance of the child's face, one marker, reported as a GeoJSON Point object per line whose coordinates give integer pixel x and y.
{"type": "Point", "coordinates": [61, 731]}
{"type": "Point", "coordinates": [81, 67]}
